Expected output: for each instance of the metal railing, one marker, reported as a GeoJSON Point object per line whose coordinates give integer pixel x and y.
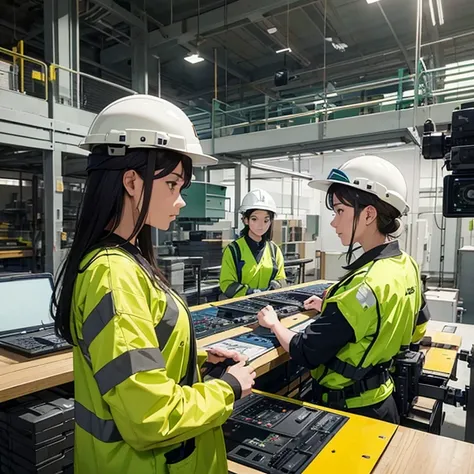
{"type": "Point", "coordinates": [84, 91]}
{"type": "Point", "coordinates": [23, 74]}
{"type": "Point", "coordinates": [310, 108]}
{"type": "Point", "coordinates": [447, 84]}
{"type": "Point", "coordinates": [451, 83]}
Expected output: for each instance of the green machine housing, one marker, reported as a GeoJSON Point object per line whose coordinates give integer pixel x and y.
{"type": "Point", "coordinates": [205, 203]}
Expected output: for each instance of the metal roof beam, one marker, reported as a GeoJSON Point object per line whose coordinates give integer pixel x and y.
{"type": "Point", "coordinates": [122, 13]}
{"type": "Point", "coordinates": [182, 32]}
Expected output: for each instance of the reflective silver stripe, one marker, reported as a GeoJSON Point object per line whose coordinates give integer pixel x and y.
{"type": "Point", "coordinates": [98, 319]}
{"type": "Point", "coordinates": [274, 262]}
{"type": "Point", "coordinates": [127, 364]}
{"type": "Point", "coordinates": [103, 430]}
{"type": "Point", "coordinates": [168, 322]}
{"type": "Point", "coordinates": [85, 351]}
{"type": "Point", "coordinates": [233, 289]}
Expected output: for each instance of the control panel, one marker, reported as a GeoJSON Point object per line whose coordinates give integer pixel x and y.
{"type": "Point", "coordinates": [278, 436]}
{"type": "Point", "coordinates": [210, 321]}
{"type": "Point", "coordinates": [294, 298]}
{"type": "Point", "coordinates": [221, 318]}
{"type": "Point", "coordinates": [253, 305]}
{"type": "Point", "coordinates": [317, 289]}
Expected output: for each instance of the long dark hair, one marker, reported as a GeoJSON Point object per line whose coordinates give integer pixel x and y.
{"type": "Point", "coordinates": [387, 216]}
{"type": "Point", "coordinates": [268, 235]}
{"type": "Point", "coordinates": [101, 209]}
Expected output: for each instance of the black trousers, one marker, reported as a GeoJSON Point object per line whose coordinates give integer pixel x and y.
{"type": "Point", "coordinates": [386, 411]}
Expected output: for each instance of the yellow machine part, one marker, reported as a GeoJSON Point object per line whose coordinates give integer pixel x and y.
{"type": "Point", "coordinates": [356, 447]}
{"type": "Point", "coordinates": [446, 339]}
{"type": "Point", "coordinates": [440, 360]}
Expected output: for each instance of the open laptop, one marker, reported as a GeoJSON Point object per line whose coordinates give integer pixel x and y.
{"type": "Point", "coordinates": [26, 325]}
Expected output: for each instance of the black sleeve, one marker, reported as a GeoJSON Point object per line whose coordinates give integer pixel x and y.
{"type": "Point", "coordinates": [322, 339]}
{"type": "Point", "coordinates": [424, 315]}
{"type": "Point", "coordinates": [218, 371]}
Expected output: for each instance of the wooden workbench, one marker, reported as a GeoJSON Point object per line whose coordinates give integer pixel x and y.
{"type": "Point", "coordinates": [20, 376]}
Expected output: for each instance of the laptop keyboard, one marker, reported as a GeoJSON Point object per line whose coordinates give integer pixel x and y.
{"type": "Point", "coordinates": [28, 343]}
{"type": "Point", "coordinates": [37, 344]}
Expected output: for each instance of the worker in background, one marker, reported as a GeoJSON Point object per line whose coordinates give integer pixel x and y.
{"type": "Point", "coordinates": [253, 263]}
{"type": "Point", "coordinates": [369, 316]}
{"type": "Point", "coordinates": [141, 403]}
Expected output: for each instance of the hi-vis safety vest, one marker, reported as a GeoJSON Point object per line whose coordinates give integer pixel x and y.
{"type": "Point", "coordinates": [139, 395]}
{"type": "Point", "coordinates": [241, 272]}
{"type": "Point", "coordinates": [381, 300]}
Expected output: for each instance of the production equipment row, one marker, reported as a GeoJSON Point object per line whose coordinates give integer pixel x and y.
{"type": "Point", "coordinates": [278, 436]}
{"type": "Point", "coordinates": [219, 318]}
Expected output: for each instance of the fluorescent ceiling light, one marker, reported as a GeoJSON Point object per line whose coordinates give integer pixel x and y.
{"type": "Point", "coordinates": [334, 94]}
{"type": "Point", "coordinates": [284, 50]}
{"type": "Point", "coordinates": [440, 12]}
{"type": "Point", "coordinates": [372, 1]}
{"type": "Point", "coordinates": [432, 12]}
{"type": "Point", "coordinates": [194, 59]}
{"type": "Point", "coordinates": [272, 30]}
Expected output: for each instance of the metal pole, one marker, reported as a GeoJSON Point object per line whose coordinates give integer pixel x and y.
{"type": "Point", "coordinates": [159, 76]}
{"type": "Point", "coordinates": [419, 24]}
{"type": "Point", "coordinates": [215, 73]}
{"type": "Point", "coordinates": [249, 175]}
{"type": "Point", "coordinates": [325, 91]}
{"type": "Point", "coordinates": [412, 229]}
{"type": "Point", "coordinates": [78, 55]}
{"type": "Point", "coordinates": [237, 194]}
{"type": "Point", "coordinates": [292, 201]}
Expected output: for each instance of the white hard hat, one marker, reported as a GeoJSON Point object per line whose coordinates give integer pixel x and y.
{"type": "Point", "coordinates": [258, 199]}
{"type": "Point", "coordinates": [373, 175]}
{"type": "Point", "coordinates": [145, 121]}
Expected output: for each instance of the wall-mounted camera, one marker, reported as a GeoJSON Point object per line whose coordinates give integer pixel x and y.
{"type": "Point", "coordinates": [456, 147]}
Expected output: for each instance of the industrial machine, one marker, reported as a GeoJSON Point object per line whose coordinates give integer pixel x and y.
{"type": "Point", "coordinates": [278, 436]}
{"type": "Point", "coordinates": [37, 434]}
{"type": "Point", "coordinates": [213, 320]}
{"type": "Point", "coordinates": [222, 317]}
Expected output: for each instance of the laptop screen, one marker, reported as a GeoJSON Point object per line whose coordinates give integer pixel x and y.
{"type": "Point", "coordinates": [24, 302]}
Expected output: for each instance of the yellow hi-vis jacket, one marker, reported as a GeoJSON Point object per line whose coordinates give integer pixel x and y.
{"type": "Point", "coordinates": [134, 343]}
{"type": "Point", "coordinates": [381, 299]}
{"type": "Point", "coordinates": [241, 273]}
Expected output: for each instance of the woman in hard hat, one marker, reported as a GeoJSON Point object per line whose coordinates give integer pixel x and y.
{"type": "Point", "coordinates": [369, 316]}
{"type": "Point", "coordinates": [141, 405]}
{"type": "Point", "coordinates": [253, 262]}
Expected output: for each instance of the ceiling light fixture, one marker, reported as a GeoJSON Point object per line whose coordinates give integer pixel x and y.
{"type": "Point", "coordinates": [194, 58]}
{"type": "Point", "coordinates": [440, 12]}
{"type": "Point", "coordinates": [272, 30]}
{"type": "Point", "coordinates": [287, 49]}
{"type": "Point", "coordinates": [432, 12]}
{"type": "Point", "coordinates": [337, 44]}
{"type": "Point", "coordinates": [372, 1]}
{"type": "Point", "coordinates": [439, 7]}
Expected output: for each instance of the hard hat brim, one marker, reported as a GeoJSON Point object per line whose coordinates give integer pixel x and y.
{"type": "Point", "coordinates": [257, 207]}
{"type": "Point", "coordinates": [201, 159]}
{"type": "Point", "coordinates": [325, 184]}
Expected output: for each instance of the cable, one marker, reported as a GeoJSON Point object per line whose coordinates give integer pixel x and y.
{"type": "Point", "coordinates": [436, 201]}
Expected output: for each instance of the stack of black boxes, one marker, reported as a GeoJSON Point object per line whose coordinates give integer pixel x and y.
{"type": "Point", "coordinates": [37, 434]}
